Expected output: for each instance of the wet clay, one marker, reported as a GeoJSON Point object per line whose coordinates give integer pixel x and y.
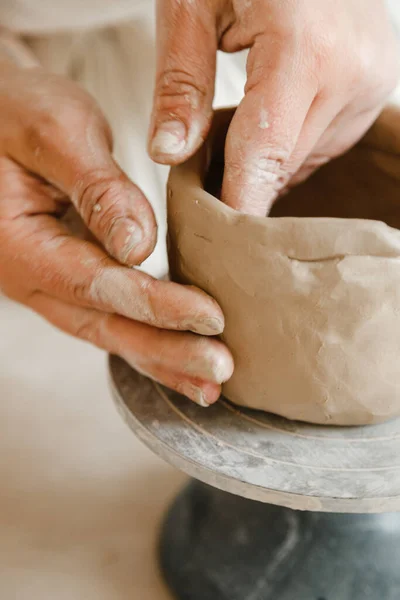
{"type": "Point", "coordinates": [311, 293]}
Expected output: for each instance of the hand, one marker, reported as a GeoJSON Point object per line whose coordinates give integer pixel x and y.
{"type": "Point", "coordinates": [55, 147]}
{"type": "Point", "coordinates": [318, 74]}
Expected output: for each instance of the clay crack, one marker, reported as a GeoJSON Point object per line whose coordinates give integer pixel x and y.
{"type": "Point", "coordinates": [202, 237]}
{"type": "Point", "coordinates": [339, 257]}
{"type": "Point", "coordinates": [323, 259]}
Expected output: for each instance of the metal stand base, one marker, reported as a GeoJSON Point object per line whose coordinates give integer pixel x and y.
{"type": "Point", "coordinates": [216, 546]}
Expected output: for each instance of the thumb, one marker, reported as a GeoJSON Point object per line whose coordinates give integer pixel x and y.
{"type": "Point", "coordinates": [185, 79]}
{"type": "Point", "coordinates": [70, 147]}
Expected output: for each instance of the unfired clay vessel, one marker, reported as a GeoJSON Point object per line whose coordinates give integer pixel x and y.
{"type": "Point", "coordinates": [311, 293]}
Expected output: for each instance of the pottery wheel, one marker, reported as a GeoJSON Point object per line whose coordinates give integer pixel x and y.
{"type": "Point", "coordinates": [263, 457]}
{"type": "Point", "coordinates": [216, 545]}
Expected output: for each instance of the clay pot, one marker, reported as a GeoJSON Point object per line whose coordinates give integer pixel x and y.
{"type": "Point", "coordinates": [311, 293]}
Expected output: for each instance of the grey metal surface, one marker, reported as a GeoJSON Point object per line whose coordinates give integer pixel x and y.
{"type": "Point", "coordinates": [261, 456]}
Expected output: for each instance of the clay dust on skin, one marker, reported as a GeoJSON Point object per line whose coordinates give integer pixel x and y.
{"type": "Point", "coordinates": [126, 295]}
{"type": "Point", "coordinates": [263, 122]}
{"type": "Point", "coordinates": [209, 365]}
{"type": "Point", "coordinates": [170, 138]}
{"type": "Point", "coordinates": [113, 289]}
{"type": "Point", "coordinates": [263, 173]}
{"type": "Point", "coordinates": [185, 388]}
{"type": "Point", "coordinates": [132, 240]}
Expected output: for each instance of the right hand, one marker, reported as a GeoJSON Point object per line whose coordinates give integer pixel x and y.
{"type": "Point", "coordinates": [55, 148]}
{"type": "Point", "coordinates": [318, 75]}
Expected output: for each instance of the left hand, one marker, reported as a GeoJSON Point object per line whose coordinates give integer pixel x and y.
{"type": "Point", "coordinates": [56, 151]}
{"type": "Point", "coordinates": [318, 74]}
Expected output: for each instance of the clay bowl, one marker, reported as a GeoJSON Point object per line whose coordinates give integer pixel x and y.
{"type": "Point", "coordinates": [311, 293]}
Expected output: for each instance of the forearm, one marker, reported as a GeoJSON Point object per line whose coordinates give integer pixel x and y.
{"type": "Point", "coordinates": [14, 50]}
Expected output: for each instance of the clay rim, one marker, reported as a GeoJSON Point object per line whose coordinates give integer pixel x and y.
{"type": "Point", "coordinates": [194, 170]}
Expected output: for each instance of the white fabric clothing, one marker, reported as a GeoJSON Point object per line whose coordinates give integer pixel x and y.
{"type": "Point", "coordinates": [52, 16]}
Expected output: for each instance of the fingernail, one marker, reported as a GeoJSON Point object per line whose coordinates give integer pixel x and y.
{"type": "Point", "coordinates": [208, 326]}
{"type": "Point", "coordinates": [194, 393]}
{"type": "Point", "coordinates": [169, 138]}
{"type": "Point", "coordinates": [125, 236]}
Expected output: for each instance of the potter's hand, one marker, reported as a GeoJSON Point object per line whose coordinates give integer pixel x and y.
{"type": "Point", "coordinates": [318, 74]}
{"type": "Point", "coordinates": [54, 149]}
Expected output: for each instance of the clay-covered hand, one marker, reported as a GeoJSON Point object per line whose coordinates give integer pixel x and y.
{"type": "Point", "coordinates": [318, 74]}
{"type": "Point", "coordinates": [55, 148]}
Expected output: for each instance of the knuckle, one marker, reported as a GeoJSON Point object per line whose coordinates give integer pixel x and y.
{"type": "Point", "coordinates": [271, 159]}
{"type": "Point", "coordinates": [269, 167]}
{"type": "Point", "coordinates": [80, 292]}
{"type": "Point", "coordinates": [149, 290]}
{"type": "Point", "coordinates": [98, 199]}
{"type": "Point", "coordinates": [56, 283]}
{"type": "Point", "coordinates": [87, 329]}
{"type": "Point", "coordinates": [180, 88]}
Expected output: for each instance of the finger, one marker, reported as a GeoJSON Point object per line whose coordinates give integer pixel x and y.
{"type": "Point", "coordinates": [265, 129]}
{"type": "Point", "coordinates": [70, 146]}
{"type": "Point", "coordinates": [182, 108]}
{"type": "Point", "coordinates": [346, 128]}
{"type": "Point", "coordinates": [322, 116]}
{"type": "Point", "coordinates": [189, 364]}
{"type": "Point", "coordinates": [80, 273]}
